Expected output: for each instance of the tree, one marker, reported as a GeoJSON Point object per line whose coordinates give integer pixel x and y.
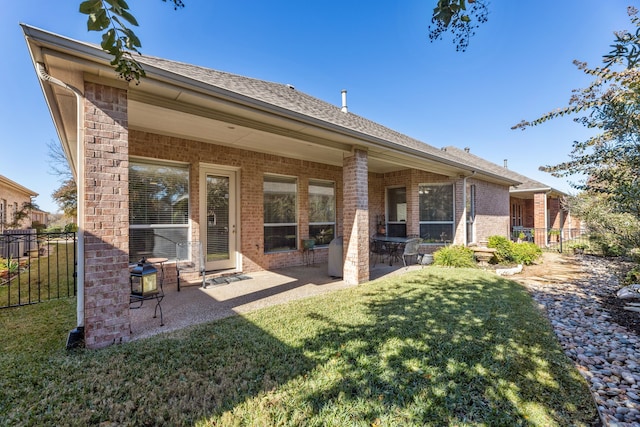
{"type": "Point", "coordinates": [66, 196]}
{"type": "Point", "coordinates": [609, 161]}
{"type": "Point", "coordinates": [112, 18]}
{"type": "Point", "coordinates": [453, 16]}
{"type": "Point", "coordinates": [20, 215]}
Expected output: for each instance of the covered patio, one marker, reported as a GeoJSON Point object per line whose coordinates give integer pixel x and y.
{"type": "Point", "coordinates": [195, 305]}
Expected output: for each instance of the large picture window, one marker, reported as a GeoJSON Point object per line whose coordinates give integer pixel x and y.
{"type": "Point", "coordinates": [322, 211]}
{"type": "Point", "coordinates": [158, 209]}
{"type": "Point", "coordinates": [436, 212]}
{"type": "Point", "coordinates": [280, 213]}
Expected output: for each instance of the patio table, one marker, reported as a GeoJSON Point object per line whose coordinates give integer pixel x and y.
{"type": "Point", "coordinates": [393, 243]}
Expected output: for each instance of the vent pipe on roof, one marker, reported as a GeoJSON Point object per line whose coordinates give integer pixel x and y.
{"type": "Point", "coordinates": [467, 149]}
{"type": "Point", "coordinates": [505, 164]}
{"type": "Point", "coordinates": [344, 101]}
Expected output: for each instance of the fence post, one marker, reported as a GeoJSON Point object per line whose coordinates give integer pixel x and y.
{"type": "Point", "coordinates": [561, 239]}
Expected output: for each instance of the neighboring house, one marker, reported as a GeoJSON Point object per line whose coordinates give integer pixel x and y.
{"type": "Point", "coordinates": [12, 198]}
{"type": "Point", "coordinates": [535, 207]}
{"type": "Point", "coordinates": [248, 167]}
{"type": "Point", "coordinates": [39, 218]}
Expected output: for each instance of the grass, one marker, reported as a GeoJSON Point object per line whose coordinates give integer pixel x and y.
{"type": "Point", "coordinates": [47, 277]}
{"type": "Point", "coordinates": [433, 347]}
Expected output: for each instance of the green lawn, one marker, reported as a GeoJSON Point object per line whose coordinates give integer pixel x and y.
{"type": "Point", "coordinates": [47, 277]}
{"type": "Point", "coordinates": [433, 347]}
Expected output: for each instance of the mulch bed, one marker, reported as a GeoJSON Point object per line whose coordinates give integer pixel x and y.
{"type": "Point", "coordinates": [615, 307]}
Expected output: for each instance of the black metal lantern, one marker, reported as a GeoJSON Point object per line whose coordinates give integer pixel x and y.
{"type": "Point", "coordinates": [144, 279]}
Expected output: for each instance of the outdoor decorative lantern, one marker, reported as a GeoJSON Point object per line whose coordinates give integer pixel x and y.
{"type": "Point", "coordinates": [144, 279]}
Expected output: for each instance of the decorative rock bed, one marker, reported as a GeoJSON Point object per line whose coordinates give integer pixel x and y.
{"type": "Point", "coordinates": [605, 353]}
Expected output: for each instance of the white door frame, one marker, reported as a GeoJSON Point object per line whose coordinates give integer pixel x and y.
{"type": "Point", "coordinates": [235, 257]}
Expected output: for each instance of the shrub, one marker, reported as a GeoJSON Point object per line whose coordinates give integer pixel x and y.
{"type": "Point", "coordinates": [454, 256]}
{"type": "Point", "coordinates": [525, 253]}
{"type": "Point", "coordinates": [70, 228]}
{"type": "Point", "coordinates": [634, 254]}
{"type": "Point", "coordinates": [503, 246]}
{"type": "Point", "coordinates": [511, 252]}
{"type": "Point", "coordinates": [633, 276]}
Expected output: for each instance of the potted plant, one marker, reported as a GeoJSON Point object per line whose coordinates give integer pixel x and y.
{"type": "Point", "coordinates": [381, 228]}
{"type": "Point", "coordinates": [579, 248]}
{"type": "Point", "coordinates": [554, 235]}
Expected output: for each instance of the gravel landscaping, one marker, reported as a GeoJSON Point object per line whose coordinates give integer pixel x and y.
{"type": "Point", "coordinates": [595, 331]}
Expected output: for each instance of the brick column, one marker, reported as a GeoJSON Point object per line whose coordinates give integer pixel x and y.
{"type": "Point", "coordinates": [106, 216]}
{"type": "Point", "coordinates": [539, 218]}
{"type": "Point", "coordinates": [356, 218]}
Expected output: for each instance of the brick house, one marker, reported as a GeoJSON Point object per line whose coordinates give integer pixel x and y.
{"type": "Point", "coordinates": [533, 206]}
{"type": "Point", "coordinates": [12, 197]}
{"type": "Point", "coordinates": [248, 167]}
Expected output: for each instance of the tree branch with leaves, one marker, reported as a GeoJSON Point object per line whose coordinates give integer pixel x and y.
{"type": "Point", "coordinates": [113, 19]}
{"type": "Point", "coordinates": [609, 162]}
{"type": "Point", "coordinates": [458, 17]}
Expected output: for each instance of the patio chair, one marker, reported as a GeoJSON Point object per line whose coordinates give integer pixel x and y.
{"type": "Point", "coordinates": [377, 250]}
{"type": "Point", "coordinates": [190, 259]}
{"type": "Point", "coordinates": [411, 249]}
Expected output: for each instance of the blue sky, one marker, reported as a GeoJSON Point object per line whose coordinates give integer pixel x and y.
{"type": "Point", "coordinates": [518, 66]}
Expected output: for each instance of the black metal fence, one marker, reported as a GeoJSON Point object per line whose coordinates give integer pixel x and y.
{"type": "Point", "coordinates": [577, 240]}
{"type": "Point", "coordinates": [36, 267]}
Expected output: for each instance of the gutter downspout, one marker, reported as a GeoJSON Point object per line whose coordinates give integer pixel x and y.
{"type": "Point", "coordinates": [464, 209]}
{"type": "Point", "coordinates": [76, 337]}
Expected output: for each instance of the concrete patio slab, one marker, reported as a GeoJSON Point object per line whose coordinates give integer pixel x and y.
{"type": "Point", "coordinates": [194, 305]}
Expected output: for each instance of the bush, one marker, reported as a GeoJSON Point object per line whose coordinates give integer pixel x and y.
{"type": "Point", "coordinates": [70, 228]}
{"type": "Point", "coordinates": [525, 253]}
{"type": "Point", "coordinates": [511, 252]}
{"type": "Point", "coordinates": [503, 247]}
{"type": "Point", "coordinates": [454, 256]}
{"type": "Point", "coordinates": [633, 276]}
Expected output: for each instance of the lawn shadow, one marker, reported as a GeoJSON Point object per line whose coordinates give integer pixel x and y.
{"type": "Point", "coordinates": [439, 353]}
{"type": "Point", "coordinates": [423, 352]}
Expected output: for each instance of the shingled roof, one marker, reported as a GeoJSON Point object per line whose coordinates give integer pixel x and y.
{"type": "Point", "coordinates": [286, 97]}
{"type": "Point", "coordinates": [255, 93]}
{"type": "Point", "coordinates": [527, 184]}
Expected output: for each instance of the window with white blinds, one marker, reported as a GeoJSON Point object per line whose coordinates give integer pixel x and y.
{"type": "Point", "coordinates": [280, 213]}
{"type": "Point", "coordinates": [158, 209]}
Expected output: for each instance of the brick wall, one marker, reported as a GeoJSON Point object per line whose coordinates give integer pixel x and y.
{"type": "Point", "coordinates": [106, 216]}
{"type": "Point", "coordinates": [492, 210]}
{"type": "Point", "coordinates": [556, 218]}
{"type": "Point", "coordinates": [251, 166]}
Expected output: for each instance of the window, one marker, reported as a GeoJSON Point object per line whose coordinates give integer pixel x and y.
{"type": "Point", "coordinates": [158, 209]}
{"type": "Point", "coordinates": [516, 215]}
{"type": "Point", "coordinates": [322, 211]}
{"type": "Point", "coordinates": [280, 214]}
{"type": "Point", "coordinates": [397, 212]}
{"type": "Point", "coordinates": [436, 212]}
